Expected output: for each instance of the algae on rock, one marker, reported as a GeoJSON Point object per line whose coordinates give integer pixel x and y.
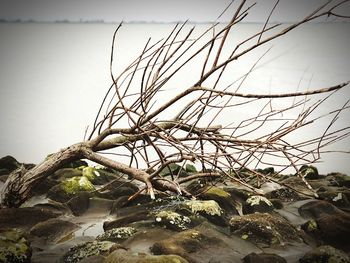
{"type": "Point", "coordinates": [14, 247]}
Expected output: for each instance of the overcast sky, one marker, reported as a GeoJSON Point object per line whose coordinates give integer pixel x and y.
{"type": "Point", "coordinates": [150, 10]}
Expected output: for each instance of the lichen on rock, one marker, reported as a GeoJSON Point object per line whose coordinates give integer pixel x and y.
{"type": "Point", "coordinates": [172, 220]}
{"type": "Point", "coordinates": [87, 249]}
{"type": "Point", "coordinates": [14, 247]}
{"type": "Point", "coordinates": [209, 207]}
{"type": "Point", "coordinates": [116, 234]}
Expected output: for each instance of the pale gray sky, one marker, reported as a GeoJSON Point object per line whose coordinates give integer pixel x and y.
{"type": "Point", "coordinates": [150, 10]}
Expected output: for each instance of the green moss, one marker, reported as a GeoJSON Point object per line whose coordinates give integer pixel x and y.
{"type": "Point", "coordinates": [77, 184]}
{"type": "Point", "coordinates": [14, 247]}
{"type": "Point", "coordinates": [218, 192]}
{"type": "Point", "coordinates": [90, 173]}
{"type": "Point", "coordinates": [209, 207]}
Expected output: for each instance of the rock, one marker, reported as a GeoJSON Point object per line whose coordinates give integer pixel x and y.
{"type": "Point", "coordinates": [8, 164]}
{"type": "Point", "coordinates": [64, 191]}
{"type": "Point", "coordinates": [325, 254]}
{"type": "Point", "coordinates": [117, 234]}
{"type": "Point", "coordinates": [54, 207]}
{"type": "Point", "coordinates": [263, 258]}
{"type": "Point", "coordinates": [183, 244]}
{"type": "Point", "coordinates": [79, 203]}
{"type": "Point", "coordinates": [125, 220]}
{"type": "Point", "coordinates": [95, 176]}
{"type": "Point", "coordinates": [88, 249]}
{"type": "Point", "coordinates": [14, 247]}
{"type": "Point", "coordinates": [118, 257]}
{"type": "Point", "coordinates": [117, 189]}
{"type": "Point", "coordinates": [338, 196]}
{"type": "Point", "coordinates": [257, 203]}
{"type": "Point", "coordinates": [338, 179]}
{"type": "Point", "coordinates": [328, 224]}
{"type": "Point", "coordinates": [66, 173]}
{"type": "Point", "coordinates": [75, 164]}
{"type": "Point", "coordinates": [172, 220]}
{"type": "Point", "coordinates": [209, 209]}
{"type": "Point", "coordinates": [43, 186]}
{"type": "Point", "coordinates": [284, 194]}
{"type": "Point", "coordinates": [309, 172]}
{"type": "Point", "coordinates": [24, 218]}
{"type": "Point", "coordinates": [53, 230]}
{"type": "Point", "coordinates": [93, 259]}
{"type": "Point", "coordinates": [223, 198]}
{"type": "Point", "coordinates": [264, 229]}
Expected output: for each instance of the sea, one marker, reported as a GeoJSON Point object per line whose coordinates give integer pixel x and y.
{"type": "Point", "coordinates": [53, 77]}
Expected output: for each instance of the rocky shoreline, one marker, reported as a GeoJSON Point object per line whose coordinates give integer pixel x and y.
{"type": "Point", "coordinates": [84, 214]}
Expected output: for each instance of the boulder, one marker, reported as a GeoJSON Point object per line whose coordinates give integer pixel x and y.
{"type": "Point", "coordinates": [209, 209]}
{"type": "Point", "coordinates": [53, 230]}
{"type": "Point", "coordinates": [8, 164]}
{"type": "Point", "coordinates": [172, 220]}
{"type": "Point", "coordinates": [88, 249]}
{"type": "Point", "coordinates": [68, 188]}
{"type": "Point", "coordinates": [328, 224]}
{"type": "Point", "coordinates": [14, 247]}
{"type": "Point", "coordinates": [257, 203]}
{"type": "Point", "coordinates": [117, 234]}
{"type": "Point", "coordinates": [309, 172]}
{"type": "Point", "coordinates": [338, 179]}
{"type": "Point", "coordinates": [284, 194]}
{"type": "Point", "coordinates": [325, 254]}
{"type": "Point", "coordinates": [227, 202]}
{"type": "Point", "coordinates": [264, 229]}
{"type": "Point", "coordinates": [24, 218]}
{"type": "Point", "coordinates": [79, 203]}
{"type": "Point", "coordinates": [184, 244]}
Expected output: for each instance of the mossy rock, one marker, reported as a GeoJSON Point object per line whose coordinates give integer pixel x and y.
{"type": "Point", "coordinates": [87, 249]}
{"type": "Point", "coordinates": [257, 203]}
{"type": "Point", "coordinates": [309, 172]}
{"type": "Point", "coordinates": [97, 176]}
{"type": "Point", "coordinates": [228, 203]}
{"type": "Point", "coordinates": [66, 173]}
{"type": "Point", "coordinates": [184, 243]}
{"type": "Point", "coordinates": [264, 229]}
{"type": "Point", "coordinates": [117, 234]}
{"type": "Point", "coordinates": [14, 247]}
{"type": "Point", "coordinates": [325, 254]}
{"type": "Point", "coordinates": [172, 220]}
{"type": "Point", "coordinates": [68, 188]}
{"type": "Point", "coordinates": [118, 257]}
